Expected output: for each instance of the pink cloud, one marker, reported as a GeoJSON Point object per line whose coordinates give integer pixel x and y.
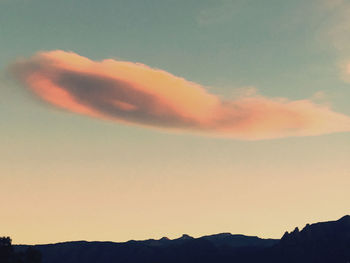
{"type": "Point", "coordinates": [133, 93]}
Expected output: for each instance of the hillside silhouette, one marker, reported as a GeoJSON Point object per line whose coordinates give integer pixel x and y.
{"type": "Point", "coordinates": [326, 242]}
{"type": "Point", "coordinates": [9, 255]}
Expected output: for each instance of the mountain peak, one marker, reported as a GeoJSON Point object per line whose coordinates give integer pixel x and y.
{"type": "Point", "coordinates": [345, 218]}
{"type": "Point", "coordinates": [185, 236]}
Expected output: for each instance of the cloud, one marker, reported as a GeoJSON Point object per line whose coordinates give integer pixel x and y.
{"type": "Point", "coordinates": [337, 27]}
{"type": "Point", "coordinates": [133, 93]}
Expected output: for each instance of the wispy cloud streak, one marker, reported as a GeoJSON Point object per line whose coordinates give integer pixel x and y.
{"type": "Point", "coordinates": [338, 32]}
{"type": "Point", "coordinates": [133, 93]}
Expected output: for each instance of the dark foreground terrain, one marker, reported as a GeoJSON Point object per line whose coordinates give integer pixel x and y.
{"type": "Point", "coordinates": [321, 242]}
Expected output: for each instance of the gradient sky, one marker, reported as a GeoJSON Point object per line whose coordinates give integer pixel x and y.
{"type": "Point", "coordinates": [65, 176]}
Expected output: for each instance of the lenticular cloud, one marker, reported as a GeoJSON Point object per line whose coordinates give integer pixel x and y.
{"type": "Point", "coordinates": [133, 93]}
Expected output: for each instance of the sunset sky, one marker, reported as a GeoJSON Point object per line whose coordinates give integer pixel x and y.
{"type": "Point", "coordinates": [125, 119]}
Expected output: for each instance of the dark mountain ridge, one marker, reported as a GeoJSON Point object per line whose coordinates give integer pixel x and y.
{"type": "Point", "coordinates": [320, 242]}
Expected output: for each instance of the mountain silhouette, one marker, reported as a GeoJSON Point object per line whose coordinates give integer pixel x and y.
{"type": "Point", "coordinates": [320, 242]}
{"type": "Point", "coordinates": [326, 242]}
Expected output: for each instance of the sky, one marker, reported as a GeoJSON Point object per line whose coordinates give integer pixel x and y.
{"type": "Point", "coordinates": [141, 119]}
